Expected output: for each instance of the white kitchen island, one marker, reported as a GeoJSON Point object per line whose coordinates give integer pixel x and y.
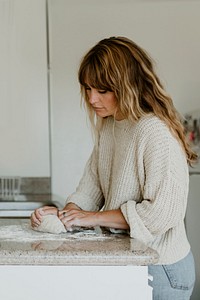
{"type": "Point", "coordinates": [75, 266]}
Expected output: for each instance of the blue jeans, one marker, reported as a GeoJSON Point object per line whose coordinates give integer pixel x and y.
{"type": "Point", "coordinates": [175, 281]}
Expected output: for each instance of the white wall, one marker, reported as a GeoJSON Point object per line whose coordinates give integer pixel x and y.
{"type": "Point", "coordinates": [24, 128]}
{"type": "Point", "coordinates": [168, 30]}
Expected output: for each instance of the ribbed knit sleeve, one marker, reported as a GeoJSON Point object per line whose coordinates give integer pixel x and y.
{"type": "Point", "coordinates": [162, 166]}
{"type": "Point", "coordinates": [88, 195]}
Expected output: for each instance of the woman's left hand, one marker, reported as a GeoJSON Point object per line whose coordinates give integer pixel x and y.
{"type": "Point", "coordinates": [77, 217]}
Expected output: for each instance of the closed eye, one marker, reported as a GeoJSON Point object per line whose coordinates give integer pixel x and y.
{"type": "Point", "coordinates": [87, 88]}
{"type": "Point", "coordinates": [102, 91]}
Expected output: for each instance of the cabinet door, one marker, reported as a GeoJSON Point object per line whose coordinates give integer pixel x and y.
{"type": "Point", "coordinates": [24, 121]}
{"type": "Point", "coordinates": [74, 282]}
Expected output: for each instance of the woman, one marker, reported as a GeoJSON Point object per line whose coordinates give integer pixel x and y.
{"type": "Point", "coordinates": [136, 178]}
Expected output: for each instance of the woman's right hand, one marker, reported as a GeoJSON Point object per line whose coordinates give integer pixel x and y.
{"type": "Point", "coordinates": [37, 215]}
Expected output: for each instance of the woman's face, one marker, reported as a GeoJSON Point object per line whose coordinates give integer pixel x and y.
{"type": "Point", "coordinates": [103, 102]}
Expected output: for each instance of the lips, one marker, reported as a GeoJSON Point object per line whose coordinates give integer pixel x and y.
{"type": "Point", "coordinates": [96, 107]}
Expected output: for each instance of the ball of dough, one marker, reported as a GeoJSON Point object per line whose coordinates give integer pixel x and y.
{"type": "Point", "coordinates": [51, 224]}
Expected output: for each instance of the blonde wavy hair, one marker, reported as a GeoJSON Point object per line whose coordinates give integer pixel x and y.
{"type": "Point", "coordinates": [119, 65]}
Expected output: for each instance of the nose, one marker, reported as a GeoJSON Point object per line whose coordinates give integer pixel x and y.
{"type": "Point", "coordinates": [93, 97]}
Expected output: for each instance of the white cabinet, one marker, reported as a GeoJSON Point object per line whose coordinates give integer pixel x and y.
{"type": "Point", "coordinates": [74, 283]}
{"type": "Point", "coordinates": [24, 121]}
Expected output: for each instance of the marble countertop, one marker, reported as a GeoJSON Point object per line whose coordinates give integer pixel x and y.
{"type": "Point", "coordinates": [20, 245]}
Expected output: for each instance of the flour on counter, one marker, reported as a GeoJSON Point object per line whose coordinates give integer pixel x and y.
{"type": "Point", "coordinates": [24, 233]}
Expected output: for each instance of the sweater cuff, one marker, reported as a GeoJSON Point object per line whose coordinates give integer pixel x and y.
{"type": "Point", "coordinates": [137, 227]}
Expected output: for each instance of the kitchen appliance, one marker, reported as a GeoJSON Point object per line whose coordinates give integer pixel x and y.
{"type": "Point", "coordinates": [15, 204]}
{"type": "Point", "coordinates": [9, 188]}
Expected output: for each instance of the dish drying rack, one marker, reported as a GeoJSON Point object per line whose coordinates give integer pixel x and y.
{"type": "Point", "coordinates": [9, 188]}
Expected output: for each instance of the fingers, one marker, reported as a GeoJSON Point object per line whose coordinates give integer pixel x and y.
{"type": "Point", "coordinates": [47, 210]}
{"type": "Point", "coordinates": [68, 214]}
{"type": "Point", "coordinates": [68, 218]}
{"type": "Point", "coordinates": [78, 218]}
{"type": "Point", "coordinates": [38, 213]}
{"type": "Point", "coordinates": [34, 220]}
{"type": "Point", "coordinates": [62, 214]}
{"type": "Point", "coordinates": [36, 216]}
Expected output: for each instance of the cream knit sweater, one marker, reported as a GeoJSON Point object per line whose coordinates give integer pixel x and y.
{"type": "Point", "coordinates": [141, 169]}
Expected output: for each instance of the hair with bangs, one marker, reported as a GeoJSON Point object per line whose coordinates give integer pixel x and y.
{"type": "Point", "coordinates": [118, 64]}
